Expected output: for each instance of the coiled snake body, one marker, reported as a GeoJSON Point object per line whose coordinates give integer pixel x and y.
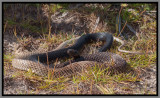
{"type": "Point", "coordinates": [35, 60]}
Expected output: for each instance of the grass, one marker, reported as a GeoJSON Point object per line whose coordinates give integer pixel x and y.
{"type": "Point", "coordinates": [105, 82]}
{"type": "Point", "coordinates": [107, 90]}
{"type": "Point", "coordinates": [26, 25]}
{"type": "Point", "coordinates": [7, 61]}
{"type": "Point", "coordinates": [8, 58]}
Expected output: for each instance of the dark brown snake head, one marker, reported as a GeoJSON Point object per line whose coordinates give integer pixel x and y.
{"type": "Point", "coordinates": [73, 53]}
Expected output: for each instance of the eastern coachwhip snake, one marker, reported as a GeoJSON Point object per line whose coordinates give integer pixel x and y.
{"type": "Point", "coordinates": [35, 60]}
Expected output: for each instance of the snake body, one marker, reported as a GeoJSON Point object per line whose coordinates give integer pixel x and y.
{"type": "Point", "coordinates": [35, 60]}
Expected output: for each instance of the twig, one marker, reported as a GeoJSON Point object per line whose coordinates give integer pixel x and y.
{"type": "Point", "coordinates": [122, 29]}
{"type": "Point", "coordinates": [151, 11]}
{"type": "Point", "coordinates": [130, 28]}
{"type": "Point", "coordinates": [120, 10]}
{"type": "Point", "coordinates": [48, 64]}
{"type": "Point", "coordinates": [54, 69]}
{"type": "Point", "coordinates": [119, 20]}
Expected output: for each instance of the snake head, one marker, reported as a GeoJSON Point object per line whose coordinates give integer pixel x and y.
{"type": "Point", "coordinates": [73, 53]}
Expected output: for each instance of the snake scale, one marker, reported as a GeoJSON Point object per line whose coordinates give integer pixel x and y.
{"type": "Point", "coordinates": [35, 60]}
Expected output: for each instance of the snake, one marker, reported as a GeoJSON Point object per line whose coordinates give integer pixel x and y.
{"type": "Point", "coordinates": [37, 62]}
